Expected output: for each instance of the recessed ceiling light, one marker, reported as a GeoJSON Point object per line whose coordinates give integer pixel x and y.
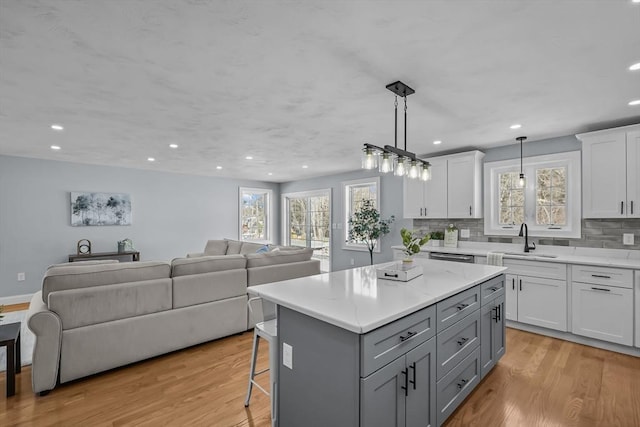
{"type": "Point", "coordinates": [305, 167]}
{"type": "Point", "coordinates": [218, 167]}
{"type": "Point", "coordinates": [635, 67]}
{"type": "Point", "coordinates": [516, 126]}
{"type": "Point", "coordinates": [249, 158]}
{"type": "Point", "coordinates": [55, 147]}
{"type": "Point", "coordinates": [173, 145]}
{"type": "Point", "coordinates": [635, 1]}
{"type": "Point", "coordinates": [270, 173]}
{"type": "Point", "coordinates": [151, 159]}
{"type": "Point", "coordinates": [437, 142]}
{"type": "Point", "coordinates": [635, 102]}
{"type": "Point", "coordinates": [57, 127]}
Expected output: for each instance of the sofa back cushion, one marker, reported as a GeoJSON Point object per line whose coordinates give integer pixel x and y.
{"type": "Point", "coordinates": [233, 246]}
{"type": "Point", "coordinates": [216, 247]}
{"type": "Point", "coordinates": [206, 264]}
{"type": "Point", "coordinates": [76, 276]}
{"type": "Point", "coordinates": [278, 257]}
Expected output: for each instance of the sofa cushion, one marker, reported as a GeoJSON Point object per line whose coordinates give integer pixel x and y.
{"type": "Point", "coordinates": [250, 248]}
{"type": "Point", "coordinates": [278, 257]}
{"type": "Point", "coordinates": [207, 287]}
{"type": "Point", "coordinates": [76, 276]}
{"type": "Point", "coordinates": [85, 263]}
{"type": "Point", "coordinates": [233, 246]}
{"type": "Point", "coordinates": [206, 264]}
{"type": "Point", "coordinates": [216, 247]}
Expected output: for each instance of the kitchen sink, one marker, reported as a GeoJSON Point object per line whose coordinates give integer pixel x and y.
{"type": "Point", "coordinates": [531, 254]}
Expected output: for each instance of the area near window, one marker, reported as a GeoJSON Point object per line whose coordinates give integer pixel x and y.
{"type": "Point", "coordinates": [307, 222]}
{"type": "Point", "coordinates": [354, 193]}
{"type": "Point", "coordinates": [255, 214]}
{"type": "Point", "coordinates": [549, 203]}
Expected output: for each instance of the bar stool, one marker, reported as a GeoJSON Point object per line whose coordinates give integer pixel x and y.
{"type": "Point", "coordinates": [267, 329]}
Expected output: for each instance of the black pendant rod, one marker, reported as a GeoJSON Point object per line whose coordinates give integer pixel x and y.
{"type": "Point", "coordinates": [521, 138]}
{"type": "Point", "coordinates": [405, 123]}
{"type": "Point", "coordinates": [395, 134]}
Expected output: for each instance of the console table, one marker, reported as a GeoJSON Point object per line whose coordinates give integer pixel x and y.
{"type": "Point", "coordinates": [10, 338]}
{"type": "Point", "coordinates": [133, 255]}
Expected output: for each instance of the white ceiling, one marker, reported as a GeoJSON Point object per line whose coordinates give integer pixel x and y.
{"type": "Point", "coordinates": [295, 83]}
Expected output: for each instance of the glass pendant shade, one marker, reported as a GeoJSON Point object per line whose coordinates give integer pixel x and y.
{"type": "Point", "coordinates": [414, 172]}
{"type": "Point", "coordinates": [369, 158]}
{"type": "Point", "coordinates": [522, 181]}
{"type": "Point", "coordinates": [386, 163]}
{"type": "Point", "coordinates": [425, 175]}
{"type": "Point", "coordinates": [400, 166]}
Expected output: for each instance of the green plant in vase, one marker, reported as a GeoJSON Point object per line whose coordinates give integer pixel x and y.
{"type": "Point", "coordinates": [365, 226]}
{"type": "Point", "coordinates": [437, 237]}
{"type": "Point", "coordinates": [412, 243]}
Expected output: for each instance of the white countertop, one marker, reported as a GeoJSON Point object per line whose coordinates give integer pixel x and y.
{"type": "Point", "coordinates": [358, 301]}
{"type": "Point", "coordinates": [563, 254]}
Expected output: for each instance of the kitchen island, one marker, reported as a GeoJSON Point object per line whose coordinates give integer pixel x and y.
{"type": "Point", "coordinates": [356, 350]}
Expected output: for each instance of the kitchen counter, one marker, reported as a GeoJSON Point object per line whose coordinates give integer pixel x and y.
{"type": "Point", "coordinates": [358, 301]}
{"type": "Point", "coordinates": [561, 254]}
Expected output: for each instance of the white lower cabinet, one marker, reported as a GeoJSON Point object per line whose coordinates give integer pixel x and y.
{"type": "Point", "coordinates": [603, 312]}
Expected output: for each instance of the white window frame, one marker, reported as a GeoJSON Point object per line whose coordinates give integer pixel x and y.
{"type": "Point", "coordinates": [346, 245]}
{"type": "Point", "coordinates": [268, 212]}
{"type": "Point", "coordinates": [570, 160]}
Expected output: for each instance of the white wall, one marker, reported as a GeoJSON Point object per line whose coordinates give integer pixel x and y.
{"type": "Point", "coordinates": [172, 214]}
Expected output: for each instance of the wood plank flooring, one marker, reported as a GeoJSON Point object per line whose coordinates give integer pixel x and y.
{"type": "Point", "coordinates": [541, 381]}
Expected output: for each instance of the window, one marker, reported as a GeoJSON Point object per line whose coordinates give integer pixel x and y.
{"type": "Point", "coordinates": [355, 192]}
{"type": "Point", "coordinates": [549, 204]}
{"type": "Point", "coordinates": [255, 214]}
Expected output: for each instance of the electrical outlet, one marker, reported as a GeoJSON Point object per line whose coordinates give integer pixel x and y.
{"type": "Point", "coordinates": [627, 239]}
{"type": "Point", "coordinates": [287, 355]}
{"type": "Point", "coordinates": [352, 261]}
{"type": "Point", "coordinates": [21, 277]}
{"type": "Point", "coordinates": [464, 233]}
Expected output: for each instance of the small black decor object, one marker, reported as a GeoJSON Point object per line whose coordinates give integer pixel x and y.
{"type": "Point", "coordinates": [84, 247]}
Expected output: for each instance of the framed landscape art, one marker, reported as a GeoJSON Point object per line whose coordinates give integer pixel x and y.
{"type": "Point", "coordinates": [100, 209]}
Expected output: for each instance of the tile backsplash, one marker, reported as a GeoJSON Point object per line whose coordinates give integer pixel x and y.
{"type": "Point", "coordinates": [596, 233]}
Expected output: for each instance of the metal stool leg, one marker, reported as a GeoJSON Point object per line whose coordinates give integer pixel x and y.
{"type": "Point", "coordinates": [252, 371]}
{"type": "Point", "coordinates": [273, 378]}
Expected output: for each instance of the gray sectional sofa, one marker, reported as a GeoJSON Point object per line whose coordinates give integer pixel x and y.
{"type": "Point", "coordinates": [94, 317]}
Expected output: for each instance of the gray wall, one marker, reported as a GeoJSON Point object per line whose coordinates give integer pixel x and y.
{"type": "Point", "coordinates": [391, 195]}
{"type": "Point", "coordinates": [172, 214]}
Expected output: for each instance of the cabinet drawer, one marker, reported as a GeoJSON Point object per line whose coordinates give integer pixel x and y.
{"type": "Point", "coordinates": [457, 307]}
{"type": "Point", "coordinates": [602, 276]}
{"type": "Point", "coordinates": [457, 384]}
{"type": "Point", "coordinates": [492, 289]}
{"type": "Point", "coordinates": [383, 345]}
{"type": "Point", "coordinates": [456, 343]}
{"type": "Point", "coordinates": [548, 270]}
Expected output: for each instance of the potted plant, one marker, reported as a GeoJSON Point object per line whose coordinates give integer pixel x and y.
{"type": "Point", "coordinates": [365, 226]}
{"type": "Point", "coordinates": [412, 244]}
{"type": "Point", "coordinates": [436, 238]}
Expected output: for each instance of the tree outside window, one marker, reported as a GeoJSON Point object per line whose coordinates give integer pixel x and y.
{"type": "Point", "coordinates": [255, 214]}
{"type": "Point", "coordinates": [355, 194]}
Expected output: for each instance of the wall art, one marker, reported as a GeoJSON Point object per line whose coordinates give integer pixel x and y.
{"type": "Point", "coordinates": [100, 209]}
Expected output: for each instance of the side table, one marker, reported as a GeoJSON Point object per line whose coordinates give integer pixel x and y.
{"type": "Point", "coordinates": [10, 338]}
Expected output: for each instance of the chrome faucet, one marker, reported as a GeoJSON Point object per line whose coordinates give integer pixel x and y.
{"type": "Point", "coordinates": [527, 248]}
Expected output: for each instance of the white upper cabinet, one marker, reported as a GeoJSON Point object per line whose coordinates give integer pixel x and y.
{"type": "Point", "coordinates": [454, 190]}
{"type": "Point", "coordinates": [610, 177]}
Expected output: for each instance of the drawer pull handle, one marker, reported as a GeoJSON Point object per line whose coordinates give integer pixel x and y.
{"type": "Point", "coordinates": [390, 275]}
{"type": "Point", "coordinates": [493, 289]}
{"type": "Point", "coordinates": [601, 289]}
{"type": "Point", "coordinates": [601, 276]}
{"type": "Point", "coordinates": [462, 307]}
{"type": "Point", "coordinates": [461, 341]}
{"type": "Point", "coordinates": [461, 384]}
{"type": "Point", "coordinates": [409, 335]}
{"type": "Point", "coordinates": [405, 387]}
{"type": "Point", "coordinates": [413, 381]}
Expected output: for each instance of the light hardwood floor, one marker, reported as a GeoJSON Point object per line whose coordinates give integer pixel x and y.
{"type": "Point", "coordinates": [540, 381]}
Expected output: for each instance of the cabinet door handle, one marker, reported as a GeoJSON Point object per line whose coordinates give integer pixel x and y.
{"type": "Point", "coordinates": [409, 335]}
{"type": "Point", "coordinates": [420, 211]}
{"type": "Point", "coordinates": [499, 307]}
{"type": "Point", "coordinates": [463, 340]}
{"type": "Point", "coordinates": [632, 207]}
{"type": "Point", "coordinates": [462, 306]}
{"type": "Point", "coordinates": [461, 384]}
{"type": "Point", "coordinates": [601, 289]}
{"type": "Point", "coordinates": [425, 211]}
{"type": "Point", "coordinates": [520, 284]}
{"type": "Point", "coordinates": [405, 387]}
{"type": "Point", "coordinates": [413, 367]}
{"type": "Point", "coordinates": [621, 208]}
{"type": "Point", "coordinates": [495, 309]}
{"type": "Point", "coordinates": [469, 210]}
{"type": "Point", "coordinates": [513, 284]}
{"type": "Point", "coordinates": [601, 276]}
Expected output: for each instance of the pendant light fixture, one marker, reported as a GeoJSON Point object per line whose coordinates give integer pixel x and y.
{"type": "Point", "coordinates": [393, 159]}
{"type": "Point", "coordinates": [522, 180]}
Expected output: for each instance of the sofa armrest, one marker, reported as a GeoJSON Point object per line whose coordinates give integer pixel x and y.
{"type": "Point", "coordinates": [195, 254]}
{"type": "Point", "coordinates": [47, 328]}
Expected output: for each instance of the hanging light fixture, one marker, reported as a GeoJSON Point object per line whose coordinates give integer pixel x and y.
{"type": "Point", "coordinates": [393, 159]}
{"type": "Point", "coordinates": [522, 180]}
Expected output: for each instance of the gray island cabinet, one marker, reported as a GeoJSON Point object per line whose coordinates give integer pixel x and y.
{"type": "Point", "coordinates": [357, 351]}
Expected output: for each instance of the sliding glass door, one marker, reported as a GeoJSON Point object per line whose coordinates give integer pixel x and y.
{"type": "Point", "coordinates": [307, 222]}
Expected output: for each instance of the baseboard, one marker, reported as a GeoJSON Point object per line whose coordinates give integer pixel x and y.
{"type": "Point", "coordinates": [567, 336]}
{"type": "Point", "coordinates": [15, 299]}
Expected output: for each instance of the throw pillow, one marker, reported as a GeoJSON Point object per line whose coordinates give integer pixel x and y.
{"type": "Point", "coordinates": [263, 249]}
